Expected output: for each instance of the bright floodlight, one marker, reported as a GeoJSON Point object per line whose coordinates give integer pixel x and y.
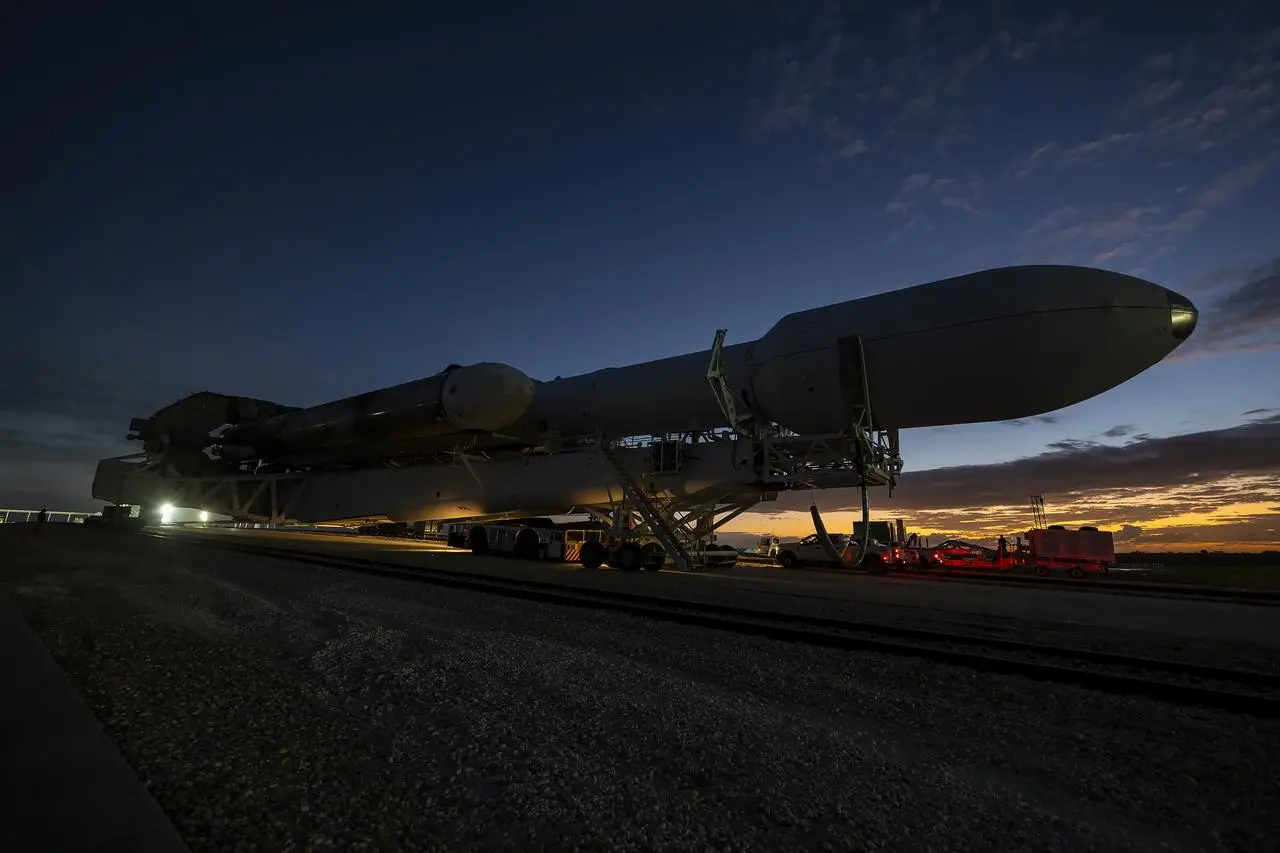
{"type": "Point", "coordinates": [204, 516]}
{"type": "Point", "coordinates": [166, 513]}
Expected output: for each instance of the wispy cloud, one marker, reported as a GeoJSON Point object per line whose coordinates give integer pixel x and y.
{"type": "Point", "coordinates": [1038, 419]}
{"type": "Point", "coordinates": [1139, 233]}
{"type": "Point", "coordinates": [922, 191]}
{"type": "Point", "coordinates": [834, 79]}
{"type": "Point", "coordinates": [796, 76]}
{"type": "Point", "coordinates": [1188, 101]}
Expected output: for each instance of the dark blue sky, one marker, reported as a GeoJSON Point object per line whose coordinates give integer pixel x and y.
{"type": "Point", "coordinates": [300, 204]}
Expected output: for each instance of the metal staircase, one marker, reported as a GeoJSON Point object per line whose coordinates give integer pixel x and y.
{"type": "Point", "coordinates": [652, 515]}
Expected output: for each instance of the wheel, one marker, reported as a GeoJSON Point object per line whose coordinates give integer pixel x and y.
{"type": "Point", "coordinates": [1042, 571]}
{"type": "Point", "coordinates": [788, 560]}
{"type": "Point", "coordinates": [875, 564]}
{"type": "Point", "coordinates": [527, 545]}
{"type": "Point", "coordinates": [628, 557]}
{"type": "Point", "coordinates": [654, 556]}
{"type": "Point", "coordinates": [1075, 572]}
{"type": "Point", "coordinates": [479, 541]}
{"type": "Point", "coordinates": [592, 554]}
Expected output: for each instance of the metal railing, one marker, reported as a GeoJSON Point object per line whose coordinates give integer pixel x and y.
{"type": "Point", "coordinates": [19, 516]}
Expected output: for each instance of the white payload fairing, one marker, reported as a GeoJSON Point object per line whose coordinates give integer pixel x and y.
{"type": "Point", "coordinates": [485, 440]}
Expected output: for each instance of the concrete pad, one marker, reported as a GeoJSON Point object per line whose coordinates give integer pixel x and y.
{"type": "Point", "coordinates": [64, 786]}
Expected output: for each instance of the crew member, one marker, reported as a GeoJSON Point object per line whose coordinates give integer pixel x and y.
{"type": "Point", "coordinates": [1002, 548]}
{"type": "Point", "coordinates": [41, 518]}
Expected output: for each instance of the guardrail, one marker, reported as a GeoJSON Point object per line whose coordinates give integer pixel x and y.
{"type": "Point", "coordinates": [19, 516]}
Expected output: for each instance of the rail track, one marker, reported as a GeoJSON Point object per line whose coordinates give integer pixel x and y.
{"type": "Point", "coordinates": [1235, 595]}
{"type": "Point", "coordinates": [1241, 691]}
{"type": "Point", "coordinates": [1106, 583]}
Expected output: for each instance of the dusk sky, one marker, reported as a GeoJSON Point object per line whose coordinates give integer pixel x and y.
{"type": "Point", "coordinates": [302, 206]}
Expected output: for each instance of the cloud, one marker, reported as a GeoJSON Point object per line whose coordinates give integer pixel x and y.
{"type": "Point", "coordinates": [1138, 233]}
{"type": "Point", "coordinates": [798, 75]}
{"type": "Point", "coordinates": [1215, 97]}
{"type": "Point", "coordinates": [1244, 319]}
{"type": "Point", "coordinates": [1037, 419]}
{"type": "Point", "coordinates": [1158, 93]}
{"type": "Point", "coordinates": [884, 85]}
{"type": "Point", "coordinates": [59, 414]}
{"type": "Point", "coordinates": [1189, 101]}
{"type": "Point", "coordinates": [1120, 431]}
{"type": "Point", "coordinates": [1227, 186]}
{"type": "Point", "coordinates": [921, 192]}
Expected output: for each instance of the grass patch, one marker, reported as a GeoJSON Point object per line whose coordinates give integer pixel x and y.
{"type": "Point", "coordinates": [1252, 577]}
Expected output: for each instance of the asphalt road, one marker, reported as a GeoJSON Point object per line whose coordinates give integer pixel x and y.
{"type": "Point", "coordinates": [272, 705]}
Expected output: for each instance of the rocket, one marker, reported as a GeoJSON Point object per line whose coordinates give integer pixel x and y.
{"type": "Point", "coordinates": [988, 346]}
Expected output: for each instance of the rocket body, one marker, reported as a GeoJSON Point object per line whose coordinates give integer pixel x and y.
{"type": "Point", "coordinates": [989, 346]}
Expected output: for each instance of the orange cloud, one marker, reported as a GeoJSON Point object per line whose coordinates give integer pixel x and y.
{"type": "Point", "coordinates": [1218, 490]}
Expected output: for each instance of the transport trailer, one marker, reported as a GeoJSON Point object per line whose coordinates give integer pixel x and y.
{"type": "Point", "coordinates": [525, 538]}
{"type": "Point", "coordinates": [1056, 549]}
{"type": "Point", "coordinates": [543, 539]}
{"type": "Point", "coordinates": [632, 553]}
{"type": "Point", "coordinates": [1046, 551]}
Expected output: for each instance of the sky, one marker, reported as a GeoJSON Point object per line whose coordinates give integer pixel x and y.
{"type": "Point", "coordinates": [302, 204]}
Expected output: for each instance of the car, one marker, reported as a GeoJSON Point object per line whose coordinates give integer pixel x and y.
{"type": "Point", "coordinates": [958, 553]}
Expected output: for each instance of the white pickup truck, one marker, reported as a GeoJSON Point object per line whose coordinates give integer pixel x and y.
{"type": "Point", "coordinates": [809, 552]}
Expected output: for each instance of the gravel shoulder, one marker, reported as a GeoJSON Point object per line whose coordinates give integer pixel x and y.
{"type": "Point", "coordinates": [270, 705]}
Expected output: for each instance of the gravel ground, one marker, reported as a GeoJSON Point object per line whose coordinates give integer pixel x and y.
{"type": "Point", "coordinates": [1210, 633]}
{"type": "Point", "coordinates": [270, 705]}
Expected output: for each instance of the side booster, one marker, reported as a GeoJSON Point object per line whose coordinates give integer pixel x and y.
{"type": "Point", "coordinates": [478, 398]}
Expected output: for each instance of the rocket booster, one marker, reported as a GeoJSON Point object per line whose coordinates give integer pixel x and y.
{"type": "Point", "coordinates": [478, 398]}
{"type": "Point", "coordinates": [989, 346]}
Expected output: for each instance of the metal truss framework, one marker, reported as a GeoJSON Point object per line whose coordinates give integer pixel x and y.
{"type": "Point", "coordinates": [862, 456]}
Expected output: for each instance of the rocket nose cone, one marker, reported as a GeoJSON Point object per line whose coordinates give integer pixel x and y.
{"type": "Point", "coordinates": [1183, 316]}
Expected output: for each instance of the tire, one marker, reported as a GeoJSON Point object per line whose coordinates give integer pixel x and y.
{"type": "Point", "coordinates": [654, 556]}
{"type": "Point", "coordinates": [479, 541]}
{"type": "Point", "coordinates": [875, 565]}
{"type": "Point", "coordinates": [1042, 571]}
{"type": "Point", "coordinates": [527, 545]}
{"type": "Point", "coordinates": [1075, 572]}
{"type": "Point", "coordinates": [788, 560]}
{"type": "Point", "coordinates": [592, 554]}
{"type": "Point", "coordinates": [628, 557]}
